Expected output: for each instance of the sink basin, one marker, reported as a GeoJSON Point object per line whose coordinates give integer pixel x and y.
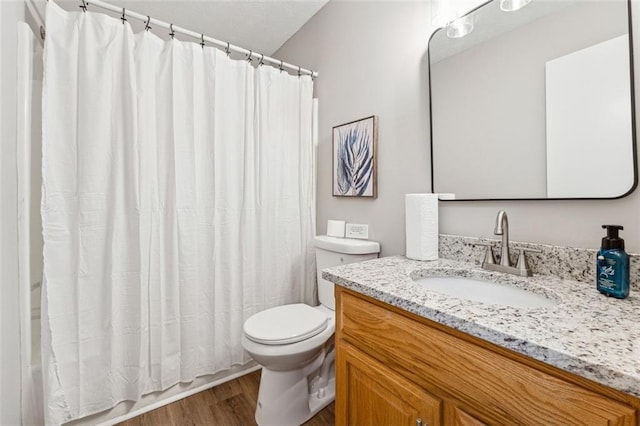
{"type": "Point", "coordinates": [486, 292]}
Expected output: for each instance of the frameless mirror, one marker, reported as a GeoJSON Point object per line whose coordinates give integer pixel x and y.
{"type": "Point", "coordinates": [534, 103]}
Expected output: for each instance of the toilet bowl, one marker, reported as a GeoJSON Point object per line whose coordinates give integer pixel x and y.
{"type": "Point", "coordinates": [286, 396]}
{"type": "Point", "coordinates": [294, 343]}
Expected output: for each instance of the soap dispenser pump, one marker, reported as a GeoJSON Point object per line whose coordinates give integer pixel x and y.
{"type": "Point", "coordinates": [612, 265]}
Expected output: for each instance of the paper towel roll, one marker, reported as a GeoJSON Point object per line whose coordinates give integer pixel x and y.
{"type": "Point", "coordinates": [421, 225]}
{"type": "Point", "coordinates": [335, 228]}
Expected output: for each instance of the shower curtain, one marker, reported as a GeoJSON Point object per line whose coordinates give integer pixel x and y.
{"type": "Point", "coordinates": [177, 201]}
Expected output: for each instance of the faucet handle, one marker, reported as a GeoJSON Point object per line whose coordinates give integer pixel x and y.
{"type": "Point", "coordinates": [522, 264]}
{"type": "Point", "coordinates": [489, 257]}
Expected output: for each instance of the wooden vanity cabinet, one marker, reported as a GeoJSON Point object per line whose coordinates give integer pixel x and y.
{"type": "Point", "coordinates": [396, 368]}
{"type": "Point", "coordinates": [378, 396]}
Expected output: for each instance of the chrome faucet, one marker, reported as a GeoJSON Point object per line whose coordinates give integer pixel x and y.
{"type": "Point", "coordinates": [502, 228]}
{"type": "Point", "coordinates": [522, 267]}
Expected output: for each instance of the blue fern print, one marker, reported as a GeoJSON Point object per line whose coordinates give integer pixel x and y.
{"type": "Point", "coordinates": [354, 168]}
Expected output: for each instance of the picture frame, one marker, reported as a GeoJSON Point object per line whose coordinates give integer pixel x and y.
{"type": "Point", "coordinates": [355, 158]}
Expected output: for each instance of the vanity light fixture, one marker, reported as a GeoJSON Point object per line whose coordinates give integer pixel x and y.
{"type": "Point", "coordinates": [513, 5]}
{"type": "Point", "coordinates": [460, 27]}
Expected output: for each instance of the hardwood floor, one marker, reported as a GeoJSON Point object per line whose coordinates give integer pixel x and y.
{"type": "Point", "coordinates": [229, 404]}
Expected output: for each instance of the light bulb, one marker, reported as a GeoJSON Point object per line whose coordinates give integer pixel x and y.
{"type": "Point", "coordinates": [513, 5]}
{"type": "Point", "coordinates": [460, 27]}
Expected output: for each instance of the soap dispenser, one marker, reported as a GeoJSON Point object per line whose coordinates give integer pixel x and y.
{"type": "Point", "coordinates": [612, 265]}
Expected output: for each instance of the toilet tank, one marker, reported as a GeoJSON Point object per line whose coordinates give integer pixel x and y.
{"type": "Point", "coordinates": [331, 251]}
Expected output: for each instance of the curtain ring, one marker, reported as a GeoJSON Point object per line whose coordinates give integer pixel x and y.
{"type": "Point", "coordinates": [281, 68]}
{"type": "Point", "coordinates": [249, 57]}
{"type": "Point", "coordinates": [124, 19]}
{"type": "Point", "coordinates": [147, 27]}
{"type": "Point", "coordinates": [261, 59]}
{"type": "Point", "coordinates": [202, 40]}
{"type": "Point", "coordinates": [227, 50]}
{"type": "Point", "coordinates": [299, 73]}
{"type": "Point", "coordinates": [172, 33]}
{"type": "Point", "coordinates": [83, 6]}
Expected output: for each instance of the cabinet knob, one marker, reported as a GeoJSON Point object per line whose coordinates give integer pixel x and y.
{"type": "Point", "coordinates": [419, 423]}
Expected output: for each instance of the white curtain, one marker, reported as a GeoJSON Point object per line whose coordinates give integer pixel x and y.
{"type": "Point", "coordinates": [177, 201]}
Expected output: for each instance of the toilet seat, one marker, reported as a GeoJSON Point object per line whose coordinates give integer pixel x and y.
{"type": "Point", "coordinates": [286, 324]}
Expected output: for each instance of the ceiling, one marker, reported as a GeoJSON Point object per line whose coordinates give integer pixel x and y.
{"type": "Point", "coordinates": [259, 25]}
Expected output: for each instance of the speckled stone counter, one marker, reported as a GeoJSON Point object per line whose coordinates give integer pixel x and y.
{"type": "Point", "coordinates": [587, 334]}
{"type": "Point", "coordinates": [564, 262]}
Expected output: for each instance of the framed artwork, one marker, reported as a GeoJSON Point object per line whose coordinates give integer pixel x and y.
{"type": "Point", "coordinates": [355, 162]}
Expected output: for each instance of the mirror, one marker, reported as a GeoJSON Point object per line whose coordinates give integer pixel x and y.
{"type": "Point", "coordinates": [534, 103]}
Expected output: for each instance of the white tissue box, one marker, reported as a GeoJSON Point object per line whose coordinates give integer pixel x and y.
{"type": "Point", "coordinates": [335, 228]}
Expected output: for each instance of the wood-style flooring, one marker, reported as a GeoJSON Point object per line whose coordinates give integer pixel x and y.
{"type": "Point", "coordinates": [229, 404]}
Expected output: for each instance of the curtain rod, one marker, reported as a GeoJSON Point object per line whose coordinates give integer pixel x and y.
{"type": "Point", "coordinates": [226, 46]}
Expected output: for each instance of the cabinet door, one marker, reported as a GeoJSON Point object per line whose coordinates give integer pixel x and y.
{"type": "Point", "coordinates": [368, 393]}
{"type": "Point", "coordinates": [455, 416]}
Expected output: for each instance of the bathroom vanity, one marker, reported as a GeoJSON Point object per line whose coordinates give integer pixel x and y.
{"type": "Point", "coordinates": [412, 356]}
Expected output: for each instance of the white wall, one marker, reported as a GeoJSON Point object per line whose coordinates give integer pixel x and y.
{"type": "Point", "coordinates": [10, 13]}
{"type": "Point", "coordinates": [371, 57]}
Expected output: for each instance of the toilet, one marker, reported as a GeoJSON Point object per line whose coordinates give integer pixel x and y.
{"type": "Point", "coordinates": [294, 343]}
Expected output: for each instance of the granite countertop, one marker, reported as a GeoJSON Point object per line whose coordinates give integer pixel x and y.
{"type": "Point", "coordinates": [586, 333]}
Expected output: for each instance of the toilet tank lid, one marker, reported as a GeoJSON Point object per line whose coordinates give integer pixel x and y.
{"type": "Point", "coordinates": [346, 245]}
